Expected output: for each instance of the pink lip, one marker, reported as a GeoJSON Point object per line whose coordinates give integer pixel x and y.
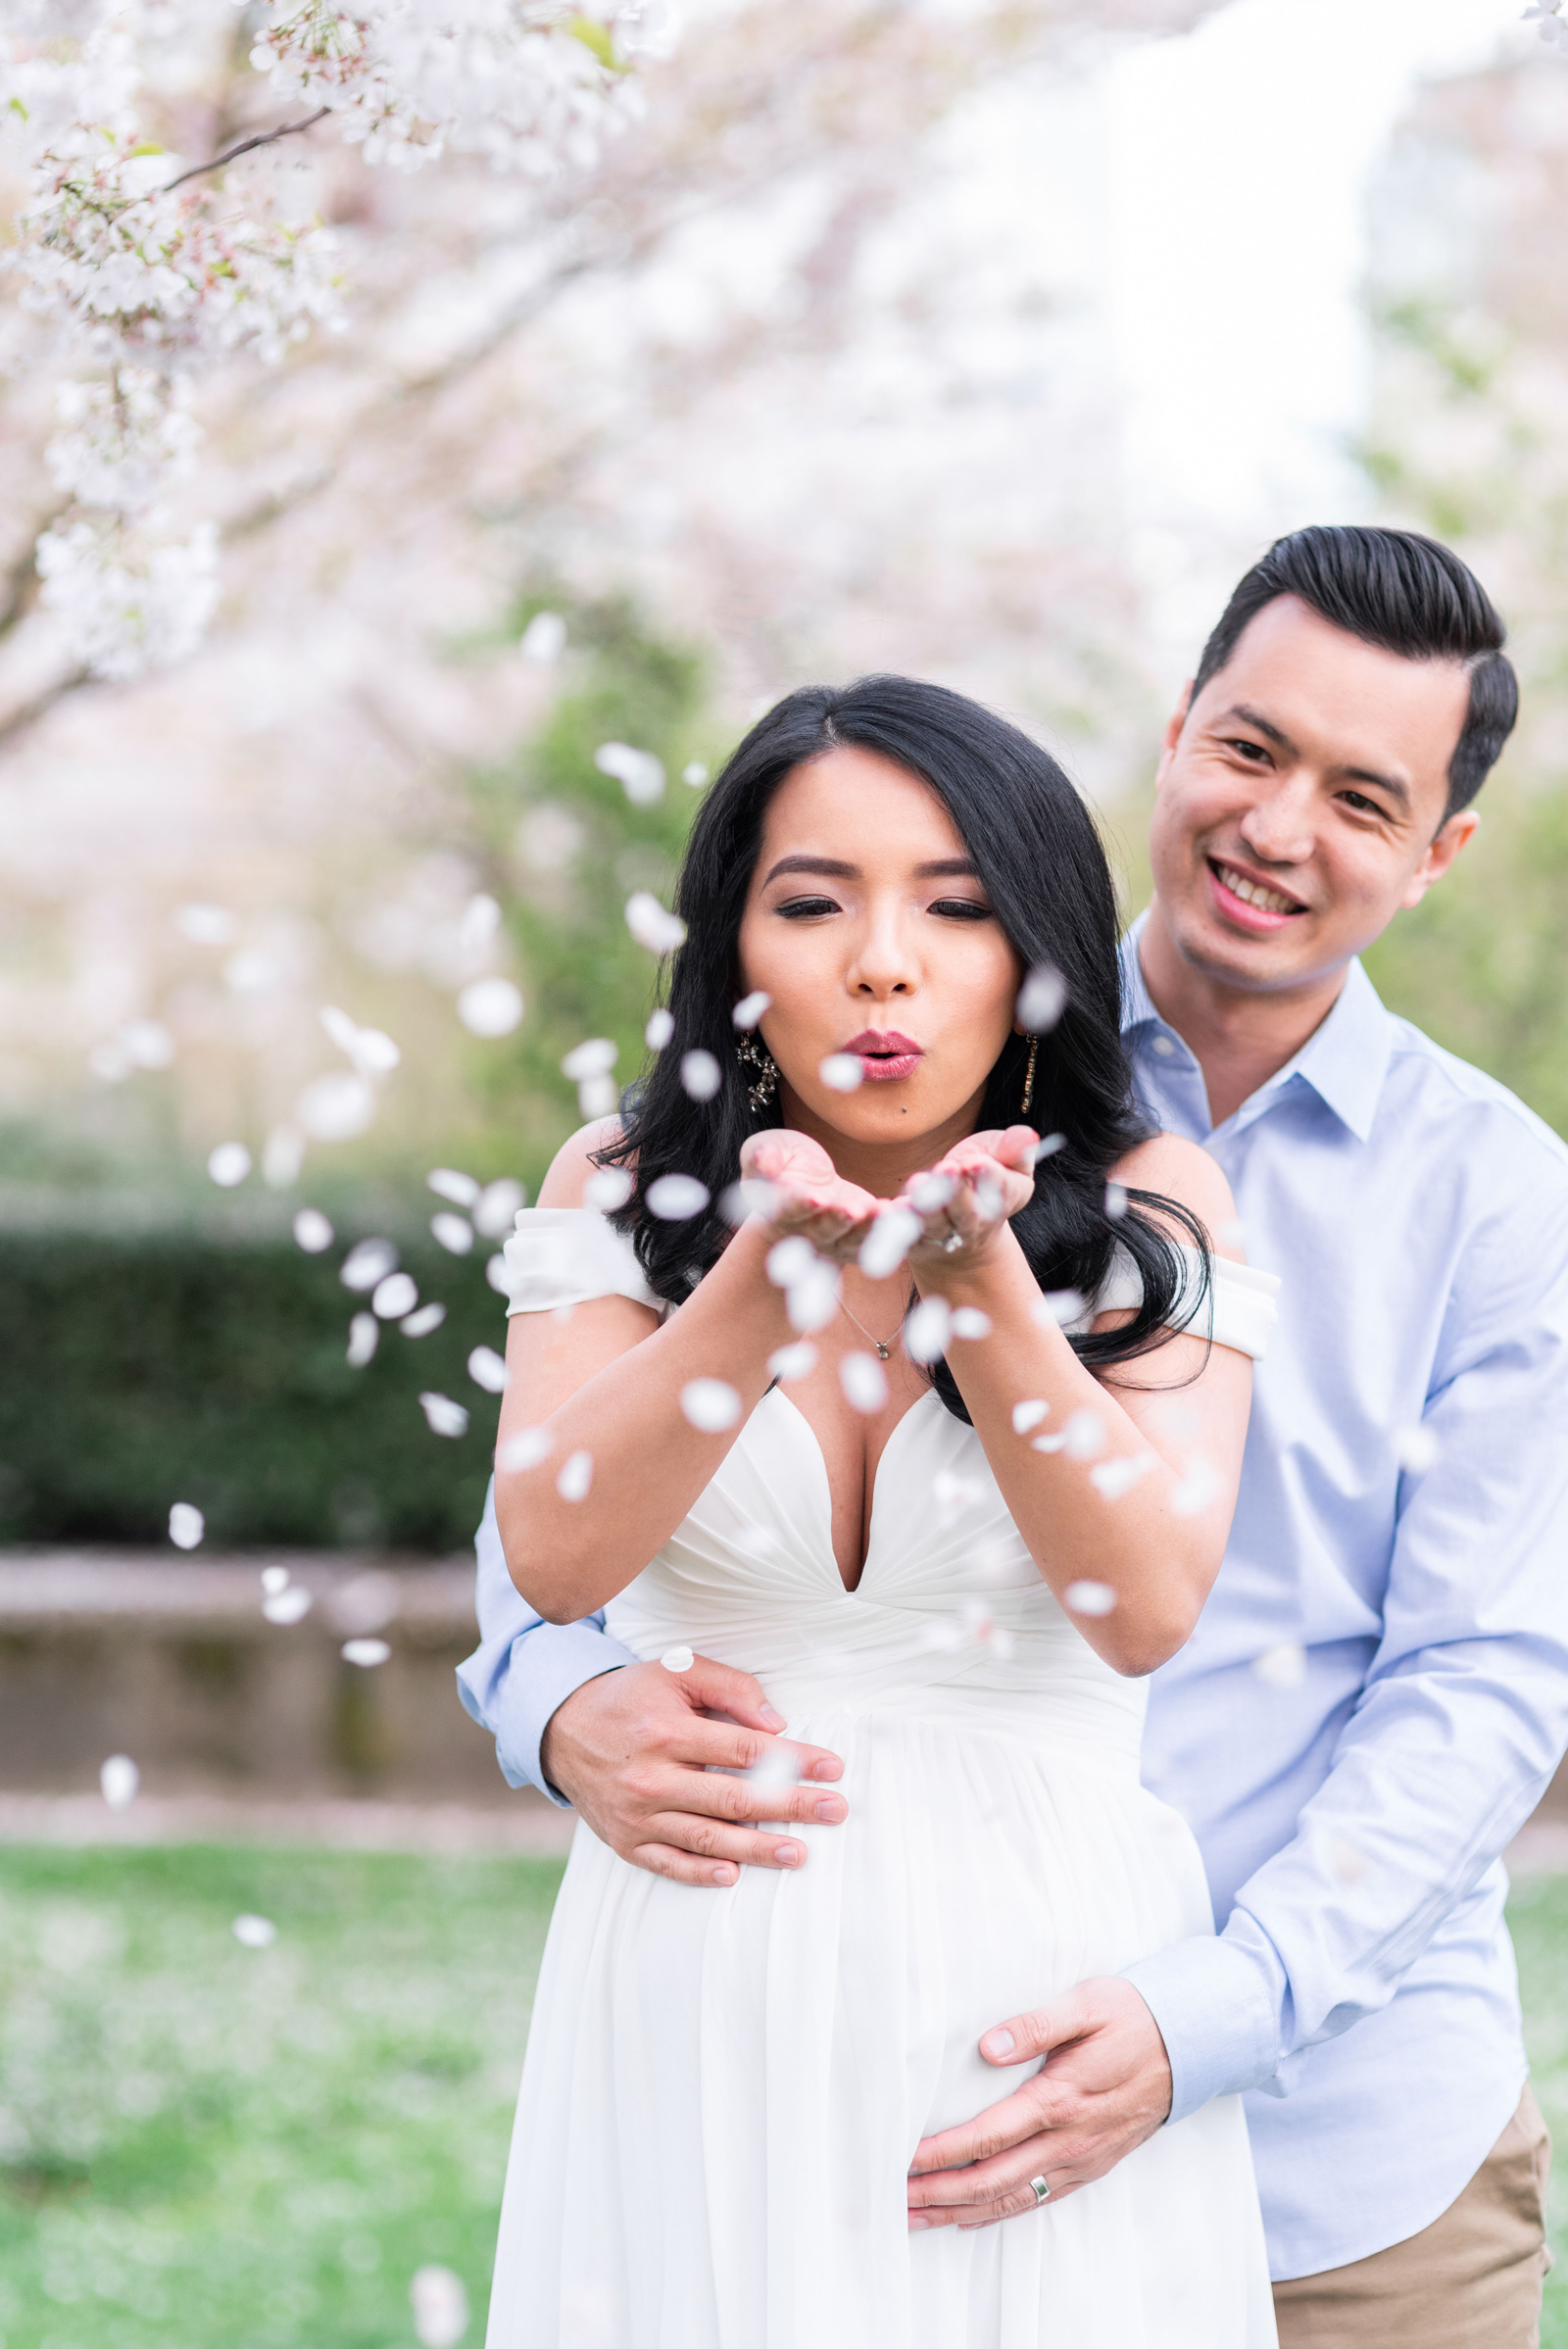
{"type": "Point", "coordinates": [1256, 918]}
{"type": "Point", "coordinates": [884, 1057]}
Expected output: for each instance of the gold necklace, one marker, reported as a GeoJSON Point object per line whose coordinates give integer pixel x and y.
{"type": "Point", "coordinates": [883, 1347]}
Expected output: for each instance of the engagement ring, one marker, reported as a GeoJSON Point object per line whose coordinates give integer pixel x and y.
{"type": "Point", "coordinates": [954, 1240]}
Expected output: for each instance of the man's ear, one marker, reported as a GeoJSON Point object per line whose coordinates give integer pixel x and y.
{"type": "Point", "coordinates": [1173, 732]}
{"type": "Point", "coordinates": [1457, 834]}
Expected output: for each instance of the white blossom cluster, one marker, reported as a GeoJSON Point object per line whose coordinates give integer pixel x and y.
{"type": "Point", "coordinates": [1550, 23]}
{"type": "Point", "coordinates": [157, 267]}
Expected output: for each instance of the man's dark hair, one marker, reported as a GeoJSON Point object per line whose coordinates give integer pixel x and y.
{"type": "Point", "coordinates": [1407, 595]}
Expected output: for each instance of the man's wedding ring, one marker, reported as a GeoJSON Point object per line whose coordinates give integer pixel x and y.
{"type": "Point", "coordinates": [1039, 2188]}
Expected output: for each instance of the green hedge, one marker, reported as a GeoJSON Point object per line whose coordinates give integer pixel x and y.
{"type": "Point", "coordinates": [140, 1372]}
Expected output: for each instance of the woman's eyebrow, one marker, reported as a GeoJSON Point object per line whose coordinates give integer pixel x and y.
{"type": "Point", "coordinates": [946, 869]}
{"type": "Point", "coordinates": [833, 866]}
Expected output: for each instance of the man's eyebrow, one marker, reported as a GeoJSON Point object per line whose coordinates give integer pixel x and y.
{"type": "Point", "coordinates": [1399, 792]}
{"type": "Point", "coordinates": [834, 866]}
{"type": "Point", "coordinates": [1256, 718]}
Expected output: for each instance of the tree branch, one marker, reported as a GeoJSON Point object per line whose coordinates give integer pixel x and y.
{"type": "Point", "coordinates": [265, 138]}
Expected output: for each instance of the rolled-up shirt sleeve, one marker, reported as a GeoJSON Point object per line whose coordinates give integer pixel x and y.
{"type": "Point", "coordinates": [523, 1668]}
{"type": "Point", "coordinates": [1458, 1726]}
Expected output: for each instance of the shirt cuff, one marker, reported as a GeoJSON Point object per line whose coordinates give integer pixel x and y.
{"type": "Point", "coordinates": [543, 1670]}
{"type": "Point", "coordinates": [1215, 2016]}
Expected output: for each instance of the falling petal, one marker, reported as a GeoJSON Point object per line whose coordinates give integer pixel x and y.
{"type": "Point", "coordinates": [336, 1107]}
{"type": "Point", "coordinates": [526, 1449]}
{"type": "Point", "coordinates": [254, 1932]}
{"type": "Point", "coordinates": [338, 1025]}
{"type": "Point", "coordinates": [929, 1191]}
{"type": "Point", "coordinates": [148, 1043]}
{"type": "Point", "coordinates": [490, 1006]}
{"type": "Point", "coordinates": [1042, 1000]}
{"type": "Point", "coordinates": [927, 1330]}
{"type": "Point", "coordinates": [365, 1652]}
{"type": "Point", "coordinates": [651, 925]}
{"type": "Point", "coordinates": [497, 1206]}
{"type": "Point", "coordinates": [791, 1260]}
{"type": "Point", "coordinates": [748, 1010]}
{"type": "Point", "coordinates": [186, 1524]}
{"type": "Point", "coordinates": [1415, 1449]}
{"type": "Point", "coordinates": [274, 1580]}
{"type": "Point", "coordinates": [375, 1053]}
{"type": "Point", "coordinates": [446, 1182]}
{"type": "Point", "coordinates": [970, 1322]}
{"type": "Point", "coordinates": [676, 1198]}
{"type": "Point", "coordinates": [639, 773]}
{"type": "Point", "coordinates": [608, 1189]}
{"type": "Point", "coordinates": [478, 922]}
{"type": "Point", "coordinates": [796, 1361]}
{"type": "Point", "coordinates": [1195, 1490]}
{"type": "Point", "coordinates": [368, 1262]}
{"type": "Point", "coordinates": [778, 1768]}
{"type": "Point", "coordinates": [543, 639]}
{"type": "Point", "coordinates": [366, 1603]}
{"type": "Point", "coordinates": [677, 1659]}
{"type": "Point", "coordinates": [287, 1606]}
{"type": "Point", "coordinates": [394, 1297]}
{"type": "Point", "coordinates": [710, 1405]}
{"type": "Point", "coordinates": [1115, 1201]}
{"type": "Point", "coordinates": [810, 1304]}
{"type": "Point", "coordinates": [454, 1233]}
{"type": "Point", "coordinates": [495, 1272]}
{"type": "Point", "coordinates": [659, 1031]}
{"type": "Point", "coordinates": [229, 1164]}
{"type": "Point", "coordinates": [282, 1157]}
{"type": "Point", "coordinates": [1047, 1148]}
{"type": "Point", "coordinates": [700, 1076]}
{"type": "Point", "coordinates": [751, 1196]}
{"type": "Point", "coordinates": [1046, 1442]}
{"type": "Point", "coordinates": [443, 1417]}
{"type": "Point", "coordinates": [421, 1324]}
{"type": "Point", "coordinates": [840, 1073]}
{"type": "Point", "coordinates": [598, 1097]}
{"type": "Point", "coordinates": [1283, 1666]}
{"type": "Point", "coordinates": [864, 1381]}
{"type": "Point", "coordinates": [1089, 1598]}
{"type": "Point", "coordinates": [1112, 1478]}
{"type": "Point", "coordinates": [206, 925]}
{"type": "Point", "coordinates": [487, 1370]}
{"type": "Point", "coordinates": [1027, 1415]}
{"type": "Point", "coordinates": [893, 1232]}
{"type": "Point", "coordinates": [1084, 1435]}
{"type": "Point", "coordinates": [1058, 1306]}
{"type": "Point", "coordinates": [694, 773]}
{"type": "Point", "coordinates": [576, 1476]}
{"type": "Point", "coordinates": [119, 1778]}
{"type": "Point", "coordinates": [594, 1058]}
{"type": "Point", "coordinates": [1232, 1233]}
{"type": "Point", "coordinates": [365, 1333]}
{"type": "Point", "coordinates": [312, 1230]}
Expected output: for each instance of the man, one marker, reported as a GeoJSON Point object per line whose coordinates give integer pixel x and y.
{"type": "Point", "coordinates": [1378, 1690]}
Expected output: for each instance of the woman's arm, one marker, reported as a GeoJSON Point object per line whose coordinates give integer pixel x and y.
{"type": "Point", "coordinates": [1136, 1489]}
{"type": "Point", "coordinates": [604, 1381]}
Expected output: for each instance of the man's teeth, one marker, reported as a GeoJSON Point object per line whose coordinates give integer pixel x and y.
{"type": "Point", "coordinates": [1252, 893]}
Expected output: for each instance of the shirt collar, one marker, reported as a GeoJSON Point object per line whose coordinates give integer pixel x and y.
{"type": "Point", "coordinates": [1345, 1060]}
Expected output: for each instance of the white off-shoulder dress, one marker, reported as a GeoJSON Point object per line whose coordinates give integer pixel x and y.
{"type": "Point", "coordinates": [723, 2088]}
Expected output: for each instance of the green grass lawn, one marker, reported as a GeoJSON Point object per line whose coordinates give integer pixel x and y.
{"type": "Point", "coordinates": [206, 2146]}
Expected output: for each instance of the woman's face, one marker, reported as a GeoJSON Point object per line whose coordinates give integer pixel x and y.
{"type": "Point", "coordinates": [869, 929]}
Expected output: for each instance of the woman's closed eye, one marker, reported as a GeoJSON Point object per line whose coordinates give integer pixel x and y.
{"type": "Point", "coordinates": [962, 910]}
{"type": "Point", "coordinates": [804, 909]}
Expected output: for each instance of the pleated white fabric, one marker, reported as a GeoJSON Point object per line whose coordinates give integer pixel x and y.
{"type": "Point", "coordinates": [723, 2088]}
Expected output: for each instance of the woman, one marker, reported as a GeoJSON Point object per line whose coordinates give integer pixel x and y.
{"type": "Point", "coordinates": [953, 1572]}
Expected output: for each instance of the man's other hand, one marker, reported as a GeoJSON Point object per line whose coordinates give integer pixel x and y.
{"type": "Point", "coordinates": [1103, 2087]}
{"type": "Point", "coordinates": [640, 1755]}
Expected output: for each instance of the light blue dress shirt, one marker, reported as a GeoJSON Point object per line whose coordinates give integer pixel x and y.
{"type": "Point", "coordinates": [1351, 1794]}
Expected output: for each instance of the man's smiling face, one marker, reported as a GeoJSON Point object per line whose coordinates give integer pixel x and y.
{"type": "Point", "coordinates": [1301, 800]}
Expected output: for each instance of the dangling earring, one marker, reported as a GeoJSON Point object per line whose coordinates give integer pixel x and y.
{"type": "Point", "coordinates": [753, 1054]}
{"type": "Point", "coordinates": [1029, 1079]}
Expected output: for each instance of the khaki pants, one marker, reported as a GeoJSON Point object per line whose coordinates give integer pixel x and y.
{"type": "Point", "coordinates": [1470, 2281]}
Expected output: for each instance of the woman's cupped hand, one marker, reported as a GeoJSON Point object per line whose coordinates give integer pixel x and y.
{"type": "Point", "coordinates": [949, 1214]}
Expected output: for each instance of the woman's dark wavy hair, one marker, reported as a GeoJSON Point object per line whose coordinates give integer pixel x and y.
{"type": "Point", "coordinates": [1037, 852]}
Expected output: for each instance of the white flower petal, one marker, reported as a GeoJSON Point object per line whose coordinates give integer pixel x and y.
{"type": "Point", "coordinates": [1090, 1598]}
{"type": "Point", "coordinates": [576, 1476]}
{"type": "Point", "coordinates": [254, 1932]}
{"type": "Point", "coordinates": [120, 1778]}
{"type": "Point", "coordinates": [454, 1233]}
{"type": "Point", "coordinates": [186, 1524]}
{"type": "Point", "coordinates": [700, 1076]}
{"type": "Point", "coordinates": [1042, 999]}
{"type": "Point", "coordinates": [446, 1183]}
{"type": "Point", "coordinates": [676, 1198]}
{"type": "Point", "coordinates": [229, 1164]}
{"type": "Point", "coordinates": [364, 1335]}
{"type": "Point", "coordinates": [488, 1370]}
{"type": "Point", "coordinates": [710, 1405]}
{"type": "Point", "coordinates": [490, 1007]}
{"type": "Point", "coordinates": [863, 1381]}
{"type": "Point", "coordinates": [443, 1417]}
{"type": "Point", "coordinates": [365, 1652]}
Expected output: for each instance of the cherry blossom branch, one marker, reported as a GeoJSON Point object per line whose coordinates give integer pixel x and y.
{"type": "Point", "coordinates": [248, 146]}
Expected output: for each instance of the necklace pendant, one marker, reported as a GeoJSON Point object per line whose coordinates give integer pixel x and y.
{"type": "Point", "coordinates": [885, 1353]}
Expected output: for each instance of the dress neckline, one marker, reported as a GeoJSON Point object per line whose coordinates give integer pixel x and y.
{"type": "Point", "coordinates": [930, 1397]}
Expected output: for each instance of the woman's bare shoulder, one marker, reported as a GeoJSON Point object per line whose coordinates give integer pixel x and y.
{"type": "Point", "coordinates": [1180, 1170]}
{"type": "Point", "coordinates": [573, 1163]}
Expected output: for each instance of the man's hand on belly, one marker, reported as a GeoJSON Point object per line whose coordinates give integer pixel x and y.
{"type": "Point", "coordinates": [638, 1754]}
{"type": "Point", "coordinates": [1103, 2088]}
